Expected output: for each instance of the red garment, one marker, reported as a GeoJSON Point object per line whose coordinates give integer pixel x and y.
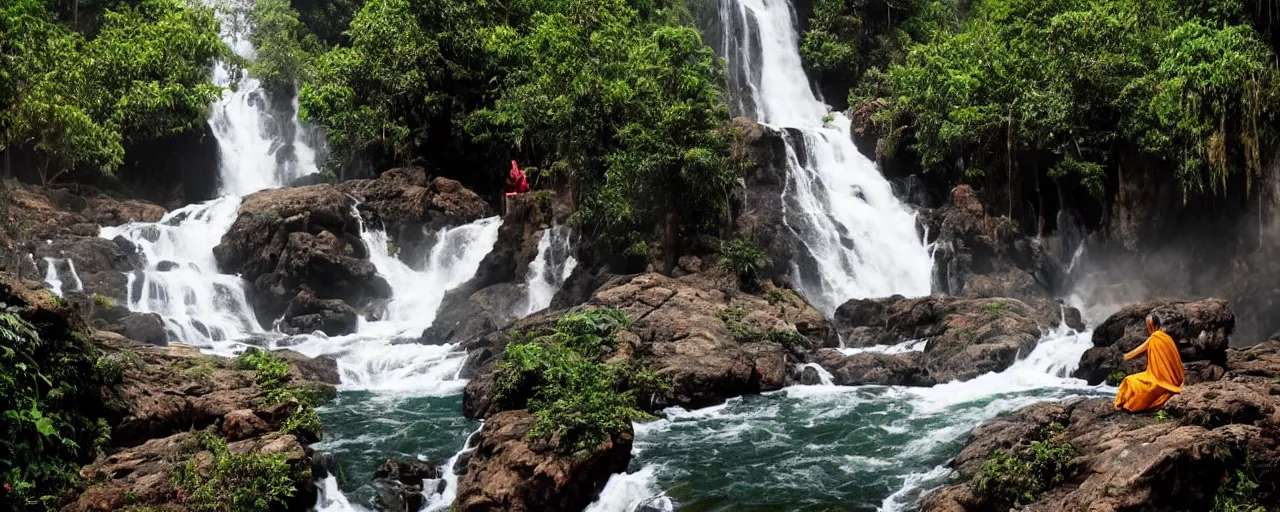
{"type": "Point", "coordinates": [516, 182]}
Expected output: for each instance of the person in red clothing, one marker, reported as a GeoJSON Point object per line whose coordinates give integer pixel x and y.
{"type": "Point", "coordinates": [516, 184]}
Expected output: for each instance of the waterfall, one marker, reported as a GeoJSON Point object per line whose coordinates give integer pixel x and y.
{"type": "Point", "coordinates": [257, 147]}
{"type": "Point", "coordinates": [549, 269]}
{"type": "Point", "coordinates": [859, 240]}
{"type": "Point", "coordinates": [181, 281]}
{"type": "Point", "coordinates": [54, 278]}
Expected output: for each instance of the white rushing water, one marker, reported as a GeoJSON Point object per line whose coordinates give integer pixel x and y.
{"type": "Point", "coordinates": [859, 239]}
{"type": "Point", "coordinates": [258, 146]}
{"type": "Point", "coordinates": [549, 269]}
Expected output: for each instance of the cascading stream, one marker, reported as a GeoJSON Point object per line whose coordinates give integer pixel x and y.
{"type": "Point", "coordinates": [859, 240]}
{"type": "Point", "coordinates": [825, 446]}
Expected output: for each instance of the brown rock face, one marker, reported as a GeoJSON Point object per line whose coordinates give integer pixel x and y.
{"type": "Point", "coordinates": [508, 472]}
{"type": "Point", "coordinates": [242, 424]}
{"type": "Point", "coordinates": [708, 339]}
{"type": "Point", "coordinates": [1200, 328]}
{"type": "Point", "coordinates": [1176, 461]}
{"type": "Point", "coordinates": [758, 209]}
{"type": "Point", "coordinates": [412, 207]}
{"type": "Point", "coordinates": [965, 338]}
{"type": "Point", "coordinates": [982, 256]}
{"type": "Point", "coordinates": [295, 240]}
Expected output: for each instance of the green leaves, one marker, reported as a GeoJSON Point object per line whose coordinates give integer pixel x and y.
{"type": "Point", "coordinates": [1075, 83]}
{"type": "Point", "coordinates": [78, 100]}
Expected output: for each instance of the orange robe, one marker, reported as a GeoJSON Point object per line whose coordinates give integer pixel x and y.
{"type": "Point", "coordinates": [1163, 378]}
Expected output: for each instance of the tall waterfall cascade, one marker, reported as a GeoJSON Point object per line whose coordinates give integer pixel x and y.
{"type": "Point", "coordinates": [860, 241]}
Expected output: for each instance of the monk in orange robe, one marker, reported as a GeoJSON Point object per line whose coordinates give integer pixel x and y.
{"type": "Point", "coordinates": [1152, 388]}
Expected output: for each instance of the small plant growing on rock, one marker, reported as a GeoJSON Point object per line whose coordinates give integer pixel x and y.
{"type": "Point", "coordinates": [775, 296]}
{"type": "Point", "coordinates": [743, 259]}
{"type": "Point", "coordinates": [1238, 494]}
{"type": "Point", "coordinates": [1162, 416]}
{"type": "Point", "coordinates": [272, 375]}
{"type": "Point", "coordinates": [249, 482]}
{"type": "Point", "coordinates": [1010, 480]}
{"type": "Point", "coordinates": [1116, 378]}
{"type": "Point", "coordinates": [103, 301]}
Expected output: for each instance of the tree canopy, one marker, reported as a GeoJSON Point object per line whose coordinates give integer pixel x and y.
{"type": "Point", "coordinates": [1065, 87]}
{"type": "Point", "coordinates": [79, 97]}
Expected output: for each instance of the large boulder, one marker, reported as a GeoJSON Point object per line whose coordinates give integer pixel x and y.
{"type": "Point", "coordinates": [977, 255]}
{"type": "Point", "coordinates": [302, 245]}
{"type": "Point", "coordinates": [698, 332]}
{"type": "Point", "coordinates": [399, 484]}
{"type": "Point", "coordinates": [964, 338]}
{"type": "Point", "coordinates": [1201, 329]}
{"type": "Point", "coordinates": [509, 471]}
{"type": "Point", "coordinates": [413, 207]}
{"type": "Point", "coordinates": [490, 299]}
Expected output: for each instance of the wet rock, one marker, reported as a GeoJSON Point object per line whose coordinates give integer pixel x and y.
{"type": "Point", "coordinates": [399, 484]}
{"type": "Point", "coordinates": [981, 256]}
{"type": "Point", "coordinates": [307, 313]}
{"type": "Point", "coordinates": [965, 337]}
{"type": "Point", "coordinates": [758, 211]}
{"type": "Point", "coordinates": [508, 471]}
{"type": "Point", "coordinates": [488, 301]}
{"type": "Point", "coordinates": [314, 178]}
{"type": "Point", "coordinates": [1201, 329]}
{"type": "Point", "coordinates": [166, 265]}
{"type": "Point", "coordinates": [100, 264]}
{"type": "Point", "coordinates": [412, 207]}
{"type": "Point", "coordinates": [809, 376]}
{"type": "Point", "coordinates": [320, 369]}
{"type": "Point", "coordinates": [873, 368]}
{"type": "Point", "coordinates": [484, 312]}
{"type": "Point", "coordinates": [242, 424]}
{"type": "Point", "coordinates": [145, 327]}
{"type": "Point", "coordinates": [295, 240]}
{"type": "Point", "coordinates": [710, 341]}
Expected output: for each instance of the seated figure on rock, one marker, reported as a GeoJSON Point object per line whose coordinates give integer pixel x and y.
{"type": "Point", "coordinates": [1162, 379]}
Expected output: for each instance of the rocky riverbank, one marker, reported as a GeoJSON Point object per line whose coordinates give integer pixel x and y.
{"type": "Point", "coordinates": [1213, 446]}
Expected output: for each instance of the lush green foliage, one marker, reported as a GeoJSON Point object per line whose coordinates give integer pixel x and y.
{"type": "Point", "coordinates": [742, 258]}
{"type": "Point", "coordinates": [79, 100]}
{"type": "Point", "coordinates": [849, 38]}
{"type": "Point", "coordinates": [249, 482]}
{"type": "Point", "coordinates": [1116, 378]}
{"type": "Point", "coordinates": [611, 97]}
{"type": "Point", "coordinates": [1065, 88]}
{"type": "Point", "coordinates": [1011, 480]}
{"type": "Point", "coordinates": [51, 412]}
{"type": "Point", "coordinates": [284, 47]}
{"type": "Point", "coordinates": [558, 376]}
{"type": "Point", "coordinates": [275, 380]}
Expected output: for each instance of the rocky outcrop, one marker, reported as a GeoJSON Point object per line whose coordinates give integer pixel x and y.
{"type": "Point", "coordinates": [100, 265]}
{"type": "Point", "coordinates": [981, 256]}
{"type": "Point", "coordinates": [964, 338]}
{"type": "Point", "coordinates": [51, 213]}
{"type": "Point", "coordinates": [1201, 330]}
{"type": "Point", "coordinates": [413, 207]}
{"type": "Point", "coordinates": [758, 213]}
{"type": "Point", "coordinates": [399, 484]}
{"type": "Point", "coordinates": [1122, 461]}
{"type": "Point", "coordinates": [511, 472]}
{"type": "Point", "coordinates": [301, 250]}
{"type": "Point", "coordinates": [169, 393]}
{"type": "Point", "coordinates": [489, 300]}
{"type": "Point", "coordinates": [710, 341]}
